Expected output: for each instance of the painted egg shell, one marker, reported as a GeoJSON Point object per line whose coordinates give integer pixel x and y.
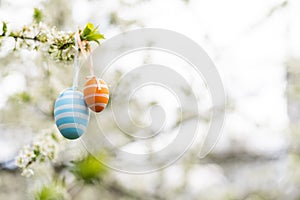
{"type": "Point", "coordinates": [71, 114]}
{"type": "Point", "coordinates": [96, 94]}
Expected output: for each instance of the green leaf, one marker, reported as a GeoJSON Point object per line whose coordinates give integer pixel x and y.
{"type": "Point", "coordinates": [37, 15]}
{"type": "Point", "coordinates": [89, 169]}
{"type": "Point", "coordinates": [94, 37]}
{"type": "Point", "coordinates": [89, 27]}
{"type": "Point", "coordinates": [4, 28]}
{"type": "Point", "coordinates": [22, 97]}
{"type": "Point", "coordinates": [90, 33]}
{"type": "Point", "coordinates": [54, 137]}
{"type": "Point", "coordinates": [50, 192]}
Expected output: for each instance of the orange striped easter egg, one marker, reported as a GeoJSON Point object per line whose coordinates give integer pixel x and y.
{"type": "Point", "coordinates": [96, 94]}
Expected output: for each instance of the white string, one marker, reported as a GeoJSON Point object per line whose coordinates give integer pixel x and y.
{"type": "Point", "coordinates": [76, 67]}
{"type": "Point", "coordinates": [78, 44]}
{"type": "Point", "coordinates": [90, 63]}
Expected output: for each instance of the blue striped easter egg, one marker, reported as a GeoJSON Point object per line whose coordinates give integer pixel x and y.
{"type": "Point", "coordinates": [71, 114]}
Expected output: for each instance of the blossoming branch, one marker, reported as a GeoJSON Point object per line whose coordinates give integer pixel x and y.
{"type": "Point", "coordinates": [60, 45]}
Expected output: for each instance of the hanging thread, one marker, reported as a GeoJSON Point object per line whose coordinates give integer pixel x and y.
{"type": "Point", "coordinates": [76, 64]}
{"type": "Point", "coordinates": [90, 63]}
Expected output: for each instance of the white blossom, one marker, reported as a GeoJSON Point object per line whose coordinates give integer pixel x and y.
{"type": "Point", "coordinates": [43, 148]}
{"type": "Point", "coordinates": [27, 172]}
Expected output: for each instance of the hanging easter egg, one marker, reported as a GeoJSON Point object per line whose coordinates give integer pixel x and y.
{"type": "Point", "coordinates": [96, 94]}
{"type": "Point", "coordinates": [71, 114]}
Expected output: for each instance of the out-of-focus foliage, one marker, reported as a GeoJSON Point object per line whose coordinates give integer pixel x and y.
{"type": "Point", "coordinates": [89, 169]}
{"type": "Point", "coordinates": [37, 15]}
{"type": "Point", "coordinates": [22, 97]}
{"type": "Point", "coordinates": [54, 191]}
{"type": "Point", "coordinates": [4, 29]}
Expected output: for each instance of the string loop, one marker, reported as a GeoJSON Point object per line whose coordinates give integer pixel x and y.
{"type": "Point", "coordinates": [90, 63]}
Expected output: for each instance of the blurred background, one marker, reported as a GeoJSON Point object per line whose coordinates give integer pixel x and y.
{"type": "Point", "coordinates": [255, 46]}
